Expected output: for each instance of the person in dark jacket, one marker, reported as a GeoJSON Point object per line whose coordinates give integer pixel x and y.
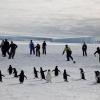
{"type": "Point", "coordinates": [97, 52]}
{"type": "Point", "coordinates": [97, 76]}
{"type": "Point", "coordinates": [56, 71]}
{"type": "Point", "coordinates": [12, 47]}
{"type": "Point", "coordinates": [32, 47]}
{"type": "Point", "coordinates": [21, 77]}
{"type": "Point", "coordinates": [82, 73]}
{"type": "Point", "coordinates": [2, 48]}
{"type": "Point", "coordinates": [15, 72]}
{"type": "Point", "coordinates": [44, 47]}
{"type": "Point", "coordinates": [35, 73]}
{"type": "Point", "coordinates": [84, 49]}
{"type": "Point", "coordinates": [42, 73]}
{"type": "Point", "coordinates": [10, 69]}
{"type": "Point", "coordinates": [65, 75]}
{"type": "Point", "coordinates": [68, 53]}
{"type": "Point", "coordinates": [6, 47]}
{"type": "Point", "coordinates": [38, 50]}
{"type": "Point", "coordinates": [1, 76]}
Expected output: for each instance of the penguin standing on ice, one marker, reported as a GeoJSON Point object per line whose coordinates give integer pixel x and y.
{"type": "Point", "coordinates": [65, 75]}
{"type": "Point", "coordinates": [97, 76]}
{"type": "Point", "coordinates": [42, 73]}
{"type": "Point", "coordinates": [82, 73]}
{"type": "Point", "coordinates": [1, 76]}
{"type": "Point", "coordinates": [35, 73]}
{"type": "Point", "coordinates": [21, 77]}
{"type": "Point", "coordinates": [56, 71]}
{"type": "Point", "coordinates": [10, 69]}
{"type": "Point", "coordinates": [48, 76]}
{"type": "Point", "coordinates": [15, 72]}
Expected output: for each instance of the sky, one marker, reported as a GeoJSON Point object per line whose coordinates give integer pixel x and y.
{"type": "Point", "coordinates": [50, 17]}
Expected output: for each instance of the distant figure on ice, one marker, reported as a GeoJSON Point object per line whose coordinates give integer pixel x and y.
{"type": "Point", "coordinates": [44, 47]}
{"type": "Point", "coordinates": [38, 50]}
{"type": "Point", "coordinates": [6, 47]}
{"type": "Point", "coordinates": [35, 73]}
{"type": "Point", "coordinates": [97, 76]}
{"type": "Point", "coordinates": [32, 47]}
{"type": "Point", "coordinates": [65, 75]}
{"type": "Point", "coordinates": [21, 77]}
{"type": "Point", "coordinates": [97, 52]}
{"type": "Point", "coordinates": [12, 47]}
{"type": "Point", "coordinates": [68, 53]}
{"type": "Point", "coordinates": [2, 48]}
{"type": "Point", "coordinates": [84, 49]}
{"type": "Point", "coordinates": [56, 71]}
{"type": "Point", "coordinates": [15, 72]}
{"type": "Point", "coordinates": [82, 73]}
{"type": "Point", "coordinates": [1, 76]}
{"type": "Point", "coordinates": [10, 69]}
{"type": "Point", "coordinates": [42, 73]}
{"type": "Point", "coordinates": [48, 76]}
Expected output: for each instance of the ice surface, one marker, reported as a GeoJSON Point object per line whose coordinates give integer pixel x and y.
{"type": "Point", "coordinates": [36, 89]}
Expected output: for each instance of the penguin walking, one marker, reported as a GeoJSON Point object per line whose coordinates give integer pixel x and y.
{"type": "Point", "coordinates": [48, 76]}
{"type": "Point", "coordinates": [35, 73]}
{"type": "Point", "coordinates": [21, 77]}
{"type": "Point", "coordinates": [1, 76]}
{"type": "Point", "coordinates": [65, 75]}
{"type": "Point", "coordinates": [82, 73]}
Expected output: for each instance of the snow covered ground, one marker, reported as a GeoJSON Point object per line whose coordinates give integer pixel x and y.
{"type": "Point", "coordinates": [36, 89]}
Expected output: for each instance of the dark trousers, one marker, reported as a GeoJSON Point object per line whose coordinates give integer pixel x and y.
{"type": "Point", "coordinates": [38, 53]}
{"type": "Point", "coordinates": [68, 56]}
{"type": "Point", "coordinates": [84, 53]}
{"type": "Point", "coordinates": [5, 52]}
{"type": "Point", "coordinates": [44, 51]}
{"type": "Point", "coordinates": [11, 54]}
{"type": "Point", "coordinates": [32, 50]}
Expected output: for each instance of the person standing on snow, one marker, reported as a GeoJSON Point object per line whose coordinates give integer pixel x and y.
{"type": "Point", "coordinates": [68, 53]}
{"type": "Point", "coordinates": [84, 49]}
{"type": "Point", "coordinates": [38, 50]}
{"type": "Point", "coordinates": [6, 47]}
{"type": "Point", "coordinates": [97, 52]}
{"type": "Point", "coordinates": [2, 48]}
{"type": "Point", "coordinates": [12, 47]}
{"type": "Point", "coordinates": [48, 76]}
{"type": "Point", "coordinates": [32, 48]}
{"type": "Point", "coordinates": [44, 47]}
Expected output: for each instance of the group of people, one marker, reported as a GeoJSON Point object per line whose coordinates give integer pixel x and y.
{"type": "Point", "coordinates": [8, 48]}
{"type": "Point", "coordinates": [68, 52]}
{"type": "Point", "coordinates": [48, 76]}
{"type": "Point", "coordinates": [35, 50]}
